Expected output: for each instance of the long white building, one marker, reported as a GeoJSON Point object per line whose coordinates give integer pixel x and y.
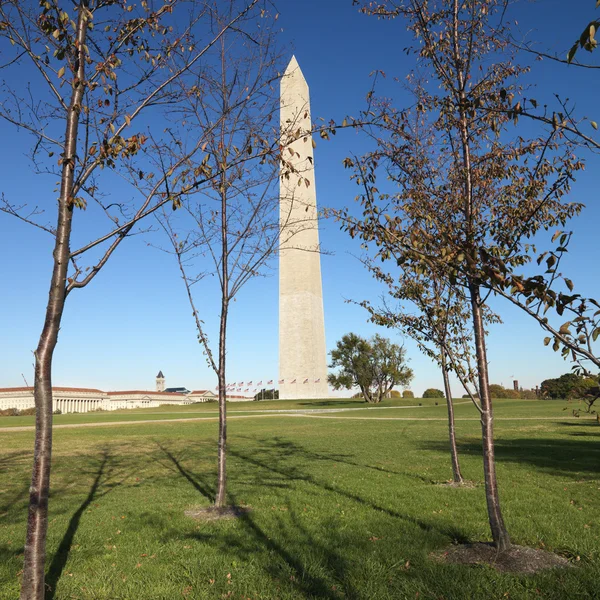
{"type": "Point", "coordinates": [80, 400]}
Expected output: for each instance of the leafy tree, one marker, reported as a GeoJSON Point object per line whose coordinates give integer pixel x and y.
{"type": "Point", "coordinates": [408, 394]}
{"type": "Point", "coordinates": [499, 391]}
{"type": "Point", "coordinates": [375, 366]}
{"type": "Point", "coordinates": [95, 101]}
{"type": "Point", "coordinates": [395, 394]}
{"type": "Point", "coordinates": [433, 393]}
{"type": "Point", "coordinates": [467, 195]}
{"type": "Point", "coordinates": [265, 394]}
{"type": "Point", "coordinates": [568, 386]}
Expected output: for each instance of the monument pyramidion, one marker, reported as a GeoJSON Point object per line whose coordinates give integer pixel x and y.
{"type": "Point", "coordinates": [302, 354]}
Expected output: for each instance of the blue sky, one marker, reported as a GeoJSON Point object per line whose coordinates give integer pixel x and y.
{"type": "Point", "coordinates": [133, 320]}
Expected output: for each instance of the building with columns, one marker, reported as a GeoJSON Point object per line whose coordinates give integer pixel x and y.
{"type": "Point", "coordinates": [81, 400]}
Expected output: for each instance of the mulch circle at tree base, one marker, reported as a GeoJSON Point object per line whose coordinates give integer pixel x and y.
{"type": "Point", "coordinates": [517, 559]}
{"type": "Point", "coordinates": [214, 513]}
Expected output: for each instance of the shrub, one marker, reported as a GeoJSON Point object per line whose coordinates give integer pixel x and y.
{"type": "Point", "coordinates": [528, 395]}
{"type": "Point", "coordinates": [9, 412]}
{"type": "Point", "coordinates": [15, 412]}
{"type": "Point", "coordinates": [407, 394]}
{"type": "Point", "coordinates": [433, 393]}
{"type": "Point", "coordinates": [395, 394]}
{"type": "Point", "coordinates": [57, 412]}
{"type": "Point", "coordinates": [497, 391]}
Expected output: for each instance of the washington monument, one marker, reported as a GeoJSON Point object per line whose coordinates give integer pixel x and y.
{"type": "Point", "coordinates": [302, 355]}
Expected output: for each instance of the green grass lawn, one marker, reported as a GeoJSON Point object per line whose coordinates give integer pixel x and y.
{"type": "Point", "coordinates": [341, 507]}
{"type": "Point", "coordinates": [208, 409]}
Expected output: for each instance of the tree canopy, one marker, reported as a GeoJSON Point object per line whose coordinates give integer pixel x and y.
{"type": "Point", "coordinates": [375, 366]}
{"type": "Point", "coordinates": [568, 386]}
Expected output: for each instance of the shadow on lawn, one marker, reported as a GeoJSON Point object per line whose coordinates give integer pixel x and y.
{"type": "Point", "coordinates": [103, 469]}
{"type": "Point", "coordinates": [15, 463]}
{"type": "Point", "coordinates": [329, 558]}
{"type": "Point", "coordinates": [592, 429]}
{"type": "Point", "coordinates": [334, 567]}
{"type": "Point", "coordinates": [315, 564]}
{"type": "Point", "coordinates": [556, 456]}
{"type": "Point", "coordinates": [334, 403]}
{"type": "Point", "coordinates": [274, 455]}
{"type": "Point", "coordinates": [206, 489]}
{"type": "Point", "coordinates": [291, 449]}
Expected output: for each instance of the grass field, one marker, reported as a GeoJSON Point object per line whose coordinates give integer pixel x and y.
{"type": "Point", "coordinates": [344, 505]}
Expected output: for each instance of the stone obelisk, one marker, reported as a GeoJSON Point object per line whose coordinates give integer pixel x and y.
{"type": "Point", "coordinates": [302, 354]}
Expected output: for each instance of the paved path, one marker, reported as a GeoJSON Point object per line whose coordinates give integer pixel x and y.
{"type": "Point", "coordinates": [272, 412]}
{"type": "Point", "coordinates": [308, 413]}
{"type": "Point", "coordinates": [132, 422]}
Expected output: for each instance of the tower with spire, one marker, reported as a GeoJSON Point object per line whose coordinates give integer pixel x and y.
{"type": "Point", "coordinates": [160, 382]}
{"type": "Point", "coordinates": [302, 353]}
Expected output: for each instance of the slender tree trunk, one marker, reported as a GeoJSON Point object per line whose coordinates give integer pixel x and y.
{"type": "Point", "coordinates": [221, 495]}
{"type": "Point", "coordinates": [34, 560]}
{"type": "Point", "coordinates": [456, 474]}
{"type": "Point", "coordinates": [499, 533]}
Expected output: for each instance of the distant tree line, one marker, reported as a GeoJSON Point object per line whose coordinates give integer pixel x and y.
{"type": "Point", "coordinates": [264, 394]}
{"type": "Point", "coordinates": [569, 386]}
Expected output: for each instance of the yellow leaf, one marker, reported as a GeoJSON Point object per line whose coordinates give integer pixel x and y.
{"type": "Point", "coordinates": [61, 72]}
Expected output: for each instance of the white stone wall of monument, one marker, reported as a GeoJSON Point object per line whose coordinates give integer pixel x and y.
{"type": "Point", "coordinates": [302, 351]}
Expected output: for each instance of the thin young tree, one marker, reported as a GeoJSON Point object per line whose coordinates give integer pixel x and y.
{"type": "Point", "coordinates": [467, 194]}
{"type": "Point", "coordinates": [103, 72]}
{"type": "Point", "coordinates": [440, 329]}
{"type": "Point", "coordinates": [231, 227]}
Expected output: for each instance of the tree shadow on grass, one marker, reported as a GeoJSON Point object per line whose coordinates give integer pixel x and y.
{"type": "Point", "coordinates": [207, 490]}
{"type": "Point", "coordinates": [555, 456]}
{"type": "Point", "coordinates": [592, 429]}
{"type": "Point", "coordinates": [274, 456]}
{"type": "Point", "coordinates": [358, 403]}
{"type": "Point", "coordinates": [312, 563]}
{"type": "Point", "coordinates": [103, 470]}
{"type": "Point", "coordinates": [334, 567]}
{"type": "Point", "coordinates": [332, 557]}
{"type": "Point", "coordinates": [15, 464]}
{"type": "Point", "coordinates": [293, 449]}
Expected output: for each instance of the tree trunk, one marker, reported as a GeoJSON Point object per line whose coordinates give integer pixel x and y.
{"type": "Point", "coordinates": [499, 533]}
{"type": "Point", "coordinates": [34, 556]}
{"type": "Point", "coordinates": [456, 474]}
{"type": "Point", "coordinates": [221, 495]}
